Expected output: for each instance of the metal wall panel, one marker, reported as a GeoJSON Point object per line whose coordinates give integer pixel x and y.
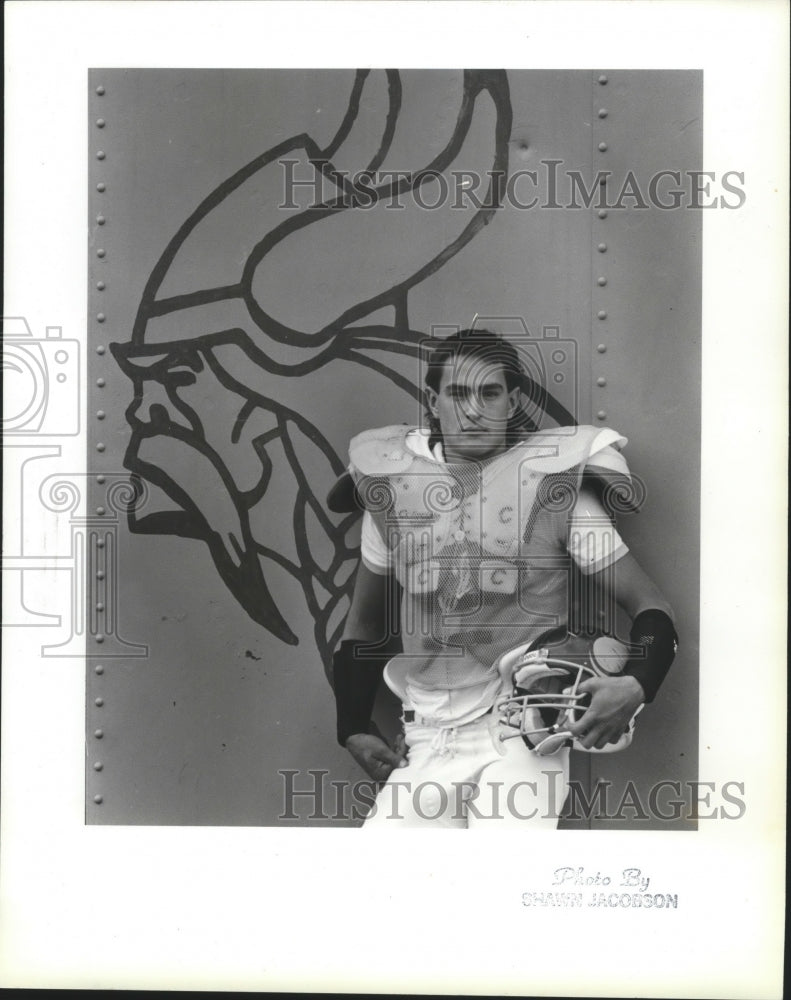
{"type": "Point", "coordinates": [652, 367]}
{"type": "Point", "coordinates": [197, 689]}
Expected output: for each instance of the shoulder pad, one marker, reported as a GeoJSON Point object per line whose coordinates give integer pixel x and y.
{"type": "Point", "coordinates": [381, 451]}
{"type": "Point", "coordinates": [605, 451]}
{"type": "Point", "coordinates": [607, 471]}
{"type": "Point", "coordinates": [564, 448]}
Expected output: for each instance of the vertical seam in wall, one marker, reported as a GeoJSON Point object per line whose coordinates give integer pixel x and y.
{"type": "Point", "coordinates": [96, 541]}
{"type": "Point", "coordinates": [587, 768]}
{"type": "Point", "coordinates": [591, 254]}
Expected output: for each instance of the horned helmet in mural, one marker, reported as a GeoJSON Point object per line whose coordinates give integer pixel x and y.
{"type": "Point", "coordinates": [219, 339]}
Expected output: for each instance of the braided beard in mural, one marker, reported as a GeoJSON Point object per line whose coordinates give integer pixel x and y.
{"type": "Point", "coordinates": [236, 473]}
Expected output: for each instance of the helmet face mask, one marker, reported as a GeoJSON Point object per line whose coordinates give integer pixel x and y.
{"type": "Point", "coordinates": [542, 696]}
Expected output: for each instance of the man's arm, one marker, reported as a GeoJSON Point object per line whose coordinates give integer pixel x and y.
{"type": "Point", "coordinates": [631, 587]}
{"type": "Point", "coordinates": [357, 673]}
{"type": "Point", "coordinates": [367, 618]}
{"type": "Point", "coordinates": [614, 700]}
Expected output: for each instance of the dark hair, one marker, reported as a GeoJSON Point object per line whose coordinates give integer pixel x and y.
{"type": "Point", "coordinates": [489, 347]}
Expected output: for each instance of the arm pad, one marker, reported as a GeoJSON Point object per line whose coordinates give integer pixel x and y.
{"type": "Point", "coordinates": [356, 681]}
{"type": "Point", "coordinates": [653, 631]}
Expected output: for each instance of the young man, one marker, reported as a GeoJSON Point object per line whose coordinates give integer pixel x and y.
{"type": "Point", "coordinates": [479, 523]}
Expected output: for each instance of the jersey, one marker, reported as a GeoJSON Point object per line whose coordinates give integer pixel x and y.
{"type": "Point", "coordinates": [481, 550]}
{"type": "Point", "coordinates": [593, 540]}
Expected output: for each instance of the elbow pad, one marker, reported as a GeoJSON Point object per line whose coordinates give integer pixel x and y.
{"type": "Point", "coordinates": [653, 633]}
{"type": "Point", "coordinates": [356, 681]}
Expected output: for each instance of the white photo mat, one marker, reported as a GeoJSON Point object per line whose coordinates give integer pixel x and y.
{"type": "Point", "coordinates": [271, 909]}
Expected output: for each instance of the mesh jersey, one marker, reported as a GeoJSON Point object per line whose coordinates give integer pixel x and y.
{"type": "Point", "coordinates": [593, 540]}
{"type": "Point", "coordinates": [481, 551]}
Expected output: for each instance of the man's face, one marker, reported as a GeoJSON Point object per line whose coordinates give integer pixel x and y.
{"type": "Point", "coordinates": [473, 406]}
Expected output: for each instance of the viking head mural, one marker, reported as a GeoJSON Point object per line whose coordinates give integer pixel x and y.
{"type": "Point", "coordinates": [327, 244]}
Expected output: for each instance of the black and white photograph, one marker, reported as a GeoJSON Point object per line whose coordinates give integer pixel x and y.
{"type": "Point", "coordinates": [394, 433]}
{"type": "Point", "coordinates": [319, 345]}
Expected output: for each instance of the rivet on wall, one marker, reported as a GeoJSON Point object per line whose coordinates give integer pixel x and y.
{"type": "Point", "coordinates": [98, 669]}
{"type": "Point", "coordinates": [99, 604]}
{"type": "Point", "coordinates": [601, 281]}
{"type": "Point", "coordinates": [100, 317]}
{"type": "Point", "coordinates": [98, 799]}
{"type": "Point", "coordinates": [98, 765]}
{"type": "Point", "coordinates": [100, 575]}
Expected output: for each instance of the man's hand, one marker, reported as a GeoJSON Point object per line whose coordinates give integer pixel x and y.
{"type": "Point", "coordinates": [374, 756]}
{"type": "Point", "coordinates": [614, 700]}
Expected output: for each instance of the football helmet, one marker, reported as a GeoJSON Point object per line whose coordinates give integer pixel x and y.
{"type": "Point", "coordinates": [541, 680]}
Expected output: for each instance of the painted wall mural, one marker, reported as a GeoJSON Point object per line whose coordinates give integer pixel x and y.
{"type": "Point", "coordinates": [277, 248]}
{"type": "Point", "coordinates": [187, 346]}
